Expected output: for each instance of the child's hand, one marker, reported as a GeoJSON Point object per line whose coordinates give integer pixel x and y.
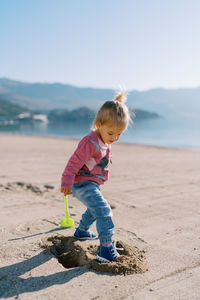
{"type": "Point", "coordinates": [66, 190]}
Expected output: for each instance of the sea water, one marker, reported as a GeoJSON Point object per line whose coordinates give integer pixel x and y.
{"type": "Point", "coordinates": [183, 132]}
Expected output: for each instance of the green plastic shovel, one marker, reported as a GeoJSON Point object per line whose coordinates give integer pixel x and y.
{"type": "Point", "coordinates": [67, 221]}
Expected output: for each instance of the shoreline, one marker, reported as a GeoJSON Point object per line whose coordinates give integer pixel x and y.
{"type": "Point", "coordinates": [78, 139]}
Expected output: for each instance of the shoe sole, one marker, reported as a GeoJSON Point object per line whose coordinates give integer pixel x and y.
{"type": "Point", "coordinates": [103, 260]}
{"type": "Point", "coordinates": [85, 238]}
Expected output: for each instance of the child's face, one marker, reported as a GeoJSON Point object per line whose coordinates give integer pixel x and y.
{"type": "Point", "coordinates": [109, 133]}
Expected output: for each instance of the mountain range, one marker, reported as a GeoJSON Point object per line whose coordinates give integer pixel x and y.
{"type": "Point", "coordinates": [48, 96]}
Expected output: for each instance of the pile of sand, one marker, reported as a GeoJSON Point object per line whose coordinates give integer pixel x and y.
{"type": "Point", "coordinates": [74, 253]}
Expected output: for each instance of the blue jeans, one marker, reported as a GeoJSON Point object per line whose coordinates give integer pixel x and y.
{"type": "Point", "coordinates": [98, 210]}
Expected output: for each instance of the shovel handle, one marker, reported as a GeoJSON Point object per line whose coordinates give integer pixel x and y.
{"type": "Point", "coordinates": [66, 207]}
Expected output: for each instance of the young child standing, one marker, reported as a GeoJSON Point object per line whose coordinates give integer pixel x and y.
{"type": "Point", "coordinates": [87, 169]}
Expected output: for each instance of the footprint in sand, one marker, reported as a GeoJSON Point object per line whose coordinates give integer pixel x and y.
{"type": "Point", "coordinates": [27, 187]}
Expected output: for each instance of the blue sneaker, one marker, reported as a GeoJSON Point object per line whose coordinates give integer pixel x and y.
{"type": "Point", "coordinates": [107, 253]}
{"type": "Point", "coordinates": [84, 235]}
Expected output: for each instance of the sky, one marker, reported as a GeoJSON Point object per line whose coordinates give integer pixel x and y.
{"type": "Point", "coordinates": [136, 44]}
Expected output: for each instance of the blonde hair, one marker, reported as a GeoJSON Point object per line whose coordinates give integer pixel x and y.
{"type": "Point", "coordinates": [114, 111]}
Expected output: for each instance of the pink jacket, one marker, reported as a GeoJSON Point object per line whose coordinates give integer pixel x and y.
{"type": "Point", "coordinates": [89, 162]}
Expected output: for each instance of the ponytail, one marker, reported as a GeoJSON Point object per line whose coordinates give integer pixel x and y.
{"type": "Point", "coordinates": [120, 97]}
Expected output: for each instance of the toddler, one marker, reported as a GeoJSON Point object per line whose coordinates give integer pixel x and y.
{"type": "Point", "coordinates": [87, 169]}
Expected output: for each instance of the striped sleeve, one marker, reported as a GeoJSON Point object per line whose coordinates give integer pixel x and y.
{"type": "Point", "coordinates": [82, 154]}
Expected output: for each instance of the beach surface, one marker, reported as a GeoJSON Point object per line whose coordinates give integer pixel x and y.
{"type": "Point", "coordinates": [155, 196]}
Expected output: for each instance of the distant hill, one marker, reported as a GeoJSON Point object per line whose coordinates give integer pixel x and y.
{"type": "Point", "coordinates": [9, 110]}
{"type": "Point", "coordinates": [85, 115]}
{"type": "Point", "coordinates": [46, 96]}
{"type": "Point", "coordinates": [81, 115]}
{"type": "Point", "coordinates": [176, 102]}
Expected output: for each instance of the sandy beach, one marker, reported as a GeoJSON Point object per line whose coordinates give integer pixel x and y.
{"type": "Point", "coordinates": [155, 196]}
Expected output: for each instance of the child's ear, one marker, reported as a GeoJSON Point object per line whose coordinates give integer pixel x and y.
{"type": "Point", "coordinates": [98, 124]}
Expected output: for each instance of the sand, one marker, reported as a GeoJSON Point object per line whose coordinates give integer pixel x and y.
{"type": "Point", "coordinates": [155, 196]}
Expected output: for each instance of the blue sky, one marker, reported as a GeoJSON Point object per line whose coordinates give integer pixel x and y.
{"type": "Point", "coordinates": [139, 44]}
